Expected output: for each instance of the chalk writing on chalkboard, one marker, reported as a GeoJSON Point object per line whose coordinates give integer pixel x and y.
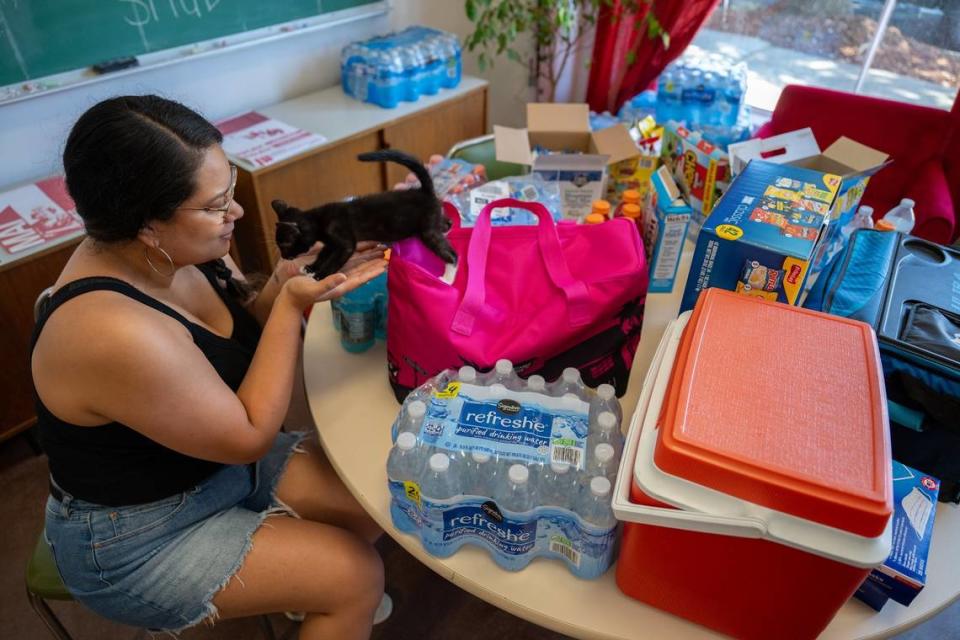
{"type": "Point", "coordinates": [48, 44]}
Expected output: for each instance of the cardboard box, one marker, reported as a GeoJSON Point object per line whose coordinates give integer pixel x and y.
{"type": "Point", "coordinates": [559, 145]}
{"type": "Point", "coordinates": [635, 173]}
{"type": "Point", "coordinates": [666, 217]}
{"type": "Point", "coordinates": [852, 161]}
{"type": "Point", "coordinates": [902, 575]}
{"type": "Point", "coordinates": [763, 234]}
{"type": "Point", "coordinates": [701, 170]}
{"type": "Point", "coordinates": [855, 163]}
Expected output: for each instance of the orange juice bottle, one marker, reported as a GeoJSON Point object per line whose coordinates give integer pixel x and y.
{"type": "Point", "coordinates": [632, 213]}
{"type": "Point", "coordinates": [630, 196]}
{"type": "Point", "coordinates": [601, 207]}
{"type": "Point", "coordinates": [595, 218]}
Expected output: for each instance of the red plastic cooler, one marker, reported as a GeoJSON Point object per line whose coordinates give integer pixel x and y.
{"type": "Point", "coordinates": [756, 483]}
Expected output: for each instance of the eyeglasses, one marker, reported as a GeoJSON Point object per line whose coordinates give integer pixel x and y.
{"type": "Point", "coordinates": [229, 197]}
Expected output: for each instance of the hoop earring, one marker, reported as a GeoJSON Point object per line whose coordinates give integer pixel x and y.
{"type": "Point", "coordinates": [166, 256]}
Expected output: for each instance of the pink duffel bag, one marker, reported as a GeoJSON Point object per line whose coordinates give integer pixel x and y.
{"type": "Point", "coordinates": [545, 296]}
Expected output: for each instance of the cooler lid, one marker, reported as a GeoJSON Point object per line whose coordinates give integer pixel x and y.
{"type": "Point", "coordinates": [781, 407]}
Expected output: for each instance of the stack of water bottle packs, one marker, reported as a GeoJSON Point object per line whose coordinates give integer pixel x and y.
{"type": "Point", "coordinates": [401, 66]}
{"type": "Point", "coordinates": [521, 468]}
{"type": "Point", "coordinates": [705, 93]}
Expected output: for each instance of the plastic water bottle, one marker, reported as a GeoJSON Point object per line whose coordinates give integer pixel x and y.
{"type": "Point", "coordinates": [601, 461]}
{"type": "Point", "coordinates": [569, 382]}
{"type": "Point", "coordinates": [606, 430]}
{"type": "Point", "coordinates": [358, 318]}
{"type": "Point", "coordinates": [438, 482]}
{"type": "Point", "coordinates": [480, 472]}
{"type": "Point", "coordinates": [605, 400]}
{"type": "Point", "coordinates": [537, 384]}
{"type": "Point", "coordinates": [514, 493]}
{"type": "Point", "coordinates": [504, 374]}
{"type": "Point", "coordinates": [413, 418]}
{"type": "Point", "coordinates": [406, 461]}
{"type": "Point", "coordinates": [901, 216]}
{"type": "Point", "coordinates": [467, 375]}
{"type": "Point", "coordinates": [558, 486]}
{"type": "Point", "coordinates": [405, 464]}
{"type": "Point", "coordinates": [594, 505]}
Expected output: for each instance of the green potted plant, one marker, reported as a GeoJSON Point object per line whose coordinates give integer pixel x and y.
{"type": "Point", "coordinates": [558, 28]}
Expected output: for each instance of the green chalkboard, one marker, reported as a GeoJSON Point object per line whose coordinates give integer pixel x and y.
{"type": "Point", "coordinates": [39, 38]}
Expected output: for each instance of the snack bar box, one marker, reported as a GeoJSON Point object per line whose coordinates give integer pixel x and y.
{"type": "Point", "coordinates": [755, 485]}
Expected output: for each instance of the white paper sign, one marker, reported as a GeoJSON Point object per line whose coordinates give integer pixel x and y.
{"type": "Point", "coordinates": [261, 141]}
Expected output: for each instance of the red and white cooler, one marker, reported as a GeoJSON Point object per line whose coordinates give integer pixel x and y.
{"type": "Point", "coordinates": [755, 487]}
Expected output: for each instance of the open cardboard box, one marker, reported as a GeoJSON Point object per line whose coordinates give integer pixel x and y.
{"type": "Point", "coordinates": [855, 163]}
{"type": "Point", "coordinates": [577, 158]}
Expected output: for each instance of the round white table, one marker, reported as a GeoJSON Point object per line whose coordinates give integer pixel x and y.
{"type": "Point", "coordinates": [353, 407]}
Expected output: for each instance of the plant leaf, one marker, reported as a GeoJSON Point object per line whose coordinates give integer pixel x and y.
{"type": "Point", "coordinates": [471, 8]}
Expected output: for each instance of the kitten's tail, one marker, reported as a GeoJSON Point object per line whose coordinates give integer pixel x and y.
{"type": "Point", "coordinates": [405, 159]}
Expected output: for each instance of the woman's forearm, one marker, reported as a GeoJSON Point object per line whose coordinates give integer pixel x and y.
{"type": "Point", "coordinates": [265, 390]}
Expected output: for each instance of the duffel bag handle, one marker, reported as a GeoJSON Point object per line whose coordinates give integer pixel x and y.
{"type": "Point", "coordinates": [474, 298]}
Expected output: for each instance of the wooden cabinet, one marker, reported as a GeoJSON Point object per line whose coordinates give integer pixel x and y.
{"type": "Point", "coordinates": [20, 284]}
{"type": "Point", "coordinates": [329, 174]}
{"type": "Point", "coordinates": [332, 171]}
{"type": "Point", "coordinates": [435, 131]}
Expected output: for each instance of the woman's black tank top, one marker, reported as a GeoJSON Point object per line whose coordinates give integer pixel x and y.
{"type": "Point", "coordinates": [112, 464]}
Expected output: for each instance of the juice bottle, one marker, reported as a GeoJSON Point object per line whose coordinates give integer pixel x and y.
{"type": "Point", "coordinates": [594, 218]}
{"type": "Point", "coordinates": [632, 212]}
{"type": "Point", "coordinates": [630, 196]}
{"type": "Point", "coordinates": [601, 207]}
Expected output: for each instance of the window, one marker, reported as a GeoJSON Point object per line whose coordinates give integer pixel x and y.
{"type": "Point", "coordinates": [834, 44]}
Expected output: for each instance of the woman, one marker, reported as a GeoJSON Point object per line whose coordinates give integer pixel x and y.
{"type": "Point", "coordinates": [160, 398]}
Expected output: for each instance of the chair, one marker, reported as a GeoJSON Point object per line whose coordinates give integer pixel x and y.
{"type": "Point", "coordinates": [920, 140]}
{"type": "Point", "coordinates": [43, 583]}
{"type": "Point", "coordinates": [43, 580]}
{"type": "Point", "coordinates": [481, 151]}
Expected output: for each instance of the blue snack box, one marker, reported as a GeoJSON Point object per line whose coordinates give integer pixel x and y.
{"type": "Point", "coordinates": [763, 234]}
{"type": "Point", "coordinates": [901, 577]}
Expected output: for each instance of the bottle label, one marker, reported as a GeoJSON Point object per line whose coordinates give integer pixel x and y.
{"type": "Point", "coordinates": [357, 327]}
{"type": "Point", "coordinates": [526, 427]}
{"type": "Point", "coordinates": [508, 536]}
{"type": "Point", "coordinates": [514, 539]}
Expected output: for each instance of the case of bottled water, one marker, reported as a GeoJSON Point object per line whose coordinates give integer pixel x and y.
{"type": "Point", "coordinates": [401, 66]}
{"type": "Point", "coordinates": [521, 468]}
{"type": "Point", "coordinates": [705, 93]}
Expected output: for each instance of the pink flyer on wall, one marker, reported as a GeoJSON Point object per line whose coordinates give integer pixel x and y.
{"type": "Point", "coordinates": [37, 214]}
{"type": "Point", "coordinates": [261, 141]}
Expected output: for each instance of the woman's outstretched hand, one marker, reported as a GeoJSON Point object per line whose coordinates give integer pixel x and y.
{"type": "Point", "coordinates": [364, 265]}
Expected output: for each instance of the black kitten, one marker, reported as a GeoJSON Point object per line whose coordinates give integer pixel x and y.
{"type": "Point", "coordinates": [383, 217]}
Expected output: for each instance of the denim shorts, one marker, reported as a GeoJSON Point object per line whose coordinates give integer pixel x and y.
{"type": "Point", "coordinates": [158, 565]}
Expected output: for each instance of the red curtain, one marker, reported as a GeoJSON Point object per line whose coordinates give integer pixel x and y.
{"type": "Point", "coordinates": [612, 79]}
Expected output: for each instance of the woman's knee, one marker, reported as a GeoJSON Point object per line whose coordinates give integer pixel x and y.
{"type": "Point", "coordinates": [362, 574]}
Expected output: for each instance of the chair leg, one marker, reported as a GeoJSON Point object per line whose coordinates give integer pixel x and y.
{"type": "Point", "coordinates": [267, 628]}
{"type": "Point", "coordinates": [49, 619]}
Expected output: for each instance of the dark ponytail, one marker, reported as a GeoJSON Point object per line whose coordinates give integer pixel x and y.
{"type": "Point", "coordinates": [132, 159]}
